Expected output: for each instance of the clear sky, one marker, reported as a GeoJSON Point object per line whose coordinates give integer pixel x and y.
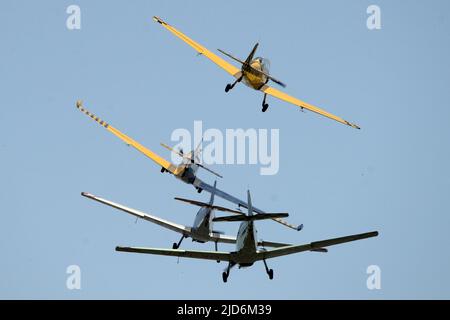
{"type": "Point", "coordinates": [392, 176]}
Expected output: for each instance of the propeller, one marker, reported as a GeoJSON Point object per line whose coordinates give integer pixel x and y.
{"type": "Point", "coordinates": [209, 170]}
{"type": "Point", "coordinates": [191, 158]}
{"type": "Point", "coordinates": [270, 77]}
{"type": "Point", "coordinates": [277, 82]}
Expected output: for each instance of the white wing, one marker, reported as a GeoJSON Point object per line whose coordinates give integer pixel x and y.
{"type": "Point", "coordinates": [161, 222]}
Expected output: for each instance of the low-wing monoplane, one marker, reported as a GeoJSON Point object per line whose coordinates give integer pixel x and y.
{"type": "Point", "coordinates": [254, 72]}
{"type": "Point", "coordinates": [201, 231]}
{"type": "Point", "coordinates": [186, 171]}
{"type": "Point", "coordinates": [247, 251]}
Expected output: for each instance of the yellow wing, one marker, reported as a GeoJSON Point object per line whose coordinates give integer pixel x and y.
{"type": "Point", "coordinates": [285, 97]}
{"type": "Point", "coordinates": [159, 160]}
{"type": "Point", "coordinates": [235, 72]}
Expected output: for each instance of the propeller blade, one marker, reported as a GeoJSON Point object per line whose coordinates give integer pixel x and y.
{"type": "Point", "coordinates": [209, 170]}
{"type": "Point", "coordinates": [277, 82]}
{"type": "Point", "coordinates": [181, 154]}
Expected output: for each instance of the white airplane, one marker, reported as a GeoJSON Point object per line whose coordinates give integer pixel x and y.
{"type": "Point", "coordinates": [202, 230]}
{"type": "Point", "coordinates": [247, 251]}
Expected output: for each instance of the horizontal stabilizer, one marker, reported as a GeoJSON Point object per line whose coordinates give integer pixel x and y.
{"type": "Point", "coordinates": [207, 205]}
{"type": "Point", "coordinates": [259, 216]}
{"type": "Point", "coordinates": [207, 255]}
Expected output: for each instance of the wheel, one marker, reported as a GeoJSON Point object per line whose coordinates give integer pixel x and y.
{"type": "Point", "coordinates": [265, 107]}
{"type": "Point", "coordinates": [175, 246]}
{"type": "Point", "coordinates": [228, 87]}
{"type": "Point", "coordinates": [224, 276]}
{"type": "Point", "coordinates": [271, 274]}
{"type": "Point", "coordinates": [199, 190]}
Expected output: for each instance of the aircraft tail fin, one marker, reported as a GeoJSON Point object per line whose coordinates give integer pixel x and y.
{"type": "Point", "coordinates": [211, 200]}
{"type": "Point", "coordinates": [249, 203]}
{"type": "Point", "coordinates": [258, 216]}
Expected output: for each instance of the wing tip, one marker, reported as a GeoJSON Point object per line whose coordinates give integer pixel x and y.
{"type": "Point", "coordinates": [80, 107]}
{"type": "Point", "coordinates": [159, 20]}
{"type": "Point", "coordinates": [352, 125]}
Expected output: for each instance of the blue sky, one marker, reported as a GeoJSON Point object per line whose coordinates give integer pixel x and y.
{"type": "Point", "coordinates": [392, 176]}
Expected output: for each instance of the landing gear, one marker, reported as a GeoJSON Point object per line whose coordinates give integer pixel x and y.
{"type": "Point", "coordinates": [199, 190]}
{"type": "Point", "coordinates": [163, 170]}
{"type": "Point", "coordinates": [269, 271]}
{"type": "Point", "coordinates": [231, 86]}
{"type": "Point", "coordinates": [177, 245]}
{"type": "Point", "coordinates": [215, 245]}
{"type": "Point", "coordinates": [226, 273]}
{"type": "Point", "coordinates": [265, 105]}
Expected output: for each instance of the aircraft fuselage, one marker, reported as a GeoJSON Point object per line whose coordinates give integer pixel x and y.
{"type": "Point", "coordinates": [252, 78]}
{"type": "Point", "coordinates": [246, 244]}
{"type": "Point", "coordinates": [202, 226]}
{"type": "Point", "coordinates": [188, 173]}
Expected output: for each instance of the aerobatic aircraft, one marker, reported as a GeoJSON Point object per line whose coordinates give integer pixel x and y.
{"type": "Point", "coordinates": [254, 72]}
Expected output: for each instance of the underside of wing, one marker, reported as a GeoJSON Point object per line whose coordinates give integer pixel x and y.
{"type": "Point", "coordinates": [240, 203]}
{"type": "Point", "coordinates": [139, 214]}
{"type": "Point", "coordinates": [263, 243]}
{"type": "Point", "coordinates": [285, 97]}
{"type": "Point", "coordinates": [207, 255]}
{"type": "Point", "coordinates": [217, 237]}
{"type": "Point", "coordinates": [235, 72]}
{"type": "Point", "coordinates": [313, 246]}
{"type": "Point", "coordinates": [129, 141]}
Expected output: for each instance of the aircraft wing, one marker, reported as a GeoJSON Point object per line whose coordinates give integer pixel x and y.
{"type": "Point", "coordinates": [240, 203]}
{"type": "Point", "coordinates": [285, 97]}
{"type": "Point", "coordinates": [129, 141]}
{"type": "Point", "coordinates": [235, 72]}
{"type": "Point", "coordinates": [207, 255]}
{"type": "Point", "coordinates": [139, 214]}
{"type": "Point", "coordinates": [313, 246]}
{"type": "Point", "coordinates": [217, 237]}
{"type": "Point", "coordinates": [264, 243]}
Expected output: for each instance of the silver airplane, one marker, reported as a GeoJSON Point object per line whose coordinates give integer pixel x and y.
{"type": "Point", "coordinates": [202, 230]}
{"type": "Point", "coordinates": [247, 251]}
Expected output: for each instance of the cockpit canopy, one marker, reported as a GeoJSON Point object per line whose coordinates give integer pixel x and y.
{"type": "Point", "coordinates": [265, 64]}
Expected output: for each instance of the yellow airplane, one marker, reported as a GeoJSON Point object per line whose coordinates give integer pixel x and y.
{"type": "Point", "coordinates": [254, 72]}
{"type": "Point", "coordinates": [186, 171]}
